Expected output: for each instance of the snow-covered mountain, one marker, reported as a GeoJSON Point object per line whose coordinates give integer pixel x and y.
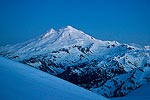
{"type": "Point", "coordinates": [20, 82]}
{"type": "Point", "coordinates": [85, 61]}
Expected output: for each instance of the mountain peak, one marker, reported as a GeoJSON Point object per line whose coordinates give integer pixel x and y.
{"type": "Point", "coordinates": [49, 33]}
{"type": "Point", "coordinates": [52, 30]}
{"type": "Point", "coordinates": [72, 33]}
{"type": "Point", "coordinates": [68, 32]}
{"type": "Point", "coordinates": [70, 28]}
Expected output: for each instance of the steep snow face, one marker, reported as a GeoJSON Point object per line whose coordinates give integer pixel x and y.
{"type": "Point", "coordinates": [81, 59]}
{"type": "Point", "coordinates": [20, 82]}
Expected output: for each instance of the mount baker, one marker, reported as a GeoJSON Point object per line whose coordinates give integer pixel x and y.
{"type": "Point", "coordinates": [108, 68]}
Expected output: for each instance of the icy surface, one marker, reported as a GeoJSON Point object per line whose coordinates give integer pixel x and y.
{"type": "Point", "coordinates": [20, 82]}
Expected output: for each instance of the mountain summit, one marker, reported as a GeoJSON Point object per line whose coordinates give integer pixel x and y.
{"type": "Point", "coordinates": [52, 31]}
{"type": "Point", "coordinates": [109, 68]}
{"type": "Point", "coordinates": [52, 40]}
{"type": "Point", "coordinates": [68, 29]}
{"type": "Point", "coordinates": [67, 36]}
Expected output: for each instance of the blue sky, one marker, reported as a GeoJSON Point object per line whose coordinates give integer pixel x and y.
{"type": "Point", "coordinates": [125, 21]}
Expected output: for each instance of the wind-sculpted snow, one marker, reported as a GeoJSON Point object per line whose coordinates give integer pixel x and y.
{"type": "Point", "coordinates": [81, 59]}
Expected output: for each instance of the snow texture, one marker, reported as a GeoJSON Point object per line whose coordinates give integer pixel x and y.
{"type": "Point", "coordinates": [21, 82]}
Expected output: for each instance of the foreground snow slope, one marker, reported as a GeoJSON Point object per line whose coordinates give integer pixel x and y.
{"type": "Point", "coordinates": [139, 94]}
{"type": "Point", "coordinates": [20, 82]}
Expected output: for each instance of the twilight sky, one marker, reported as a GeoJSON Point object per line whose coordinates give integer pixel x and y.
{"type": "Point", "coordinates": [125, 21]}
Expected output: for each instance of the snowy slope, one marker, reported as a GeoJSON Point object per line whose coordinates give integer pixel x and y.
{"type": "Point", "coordinates": [74, 56]}
{"type": "Point", "coordinates": [142, 93]}
{"type": "Point", "coordinates": [20, 82]}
